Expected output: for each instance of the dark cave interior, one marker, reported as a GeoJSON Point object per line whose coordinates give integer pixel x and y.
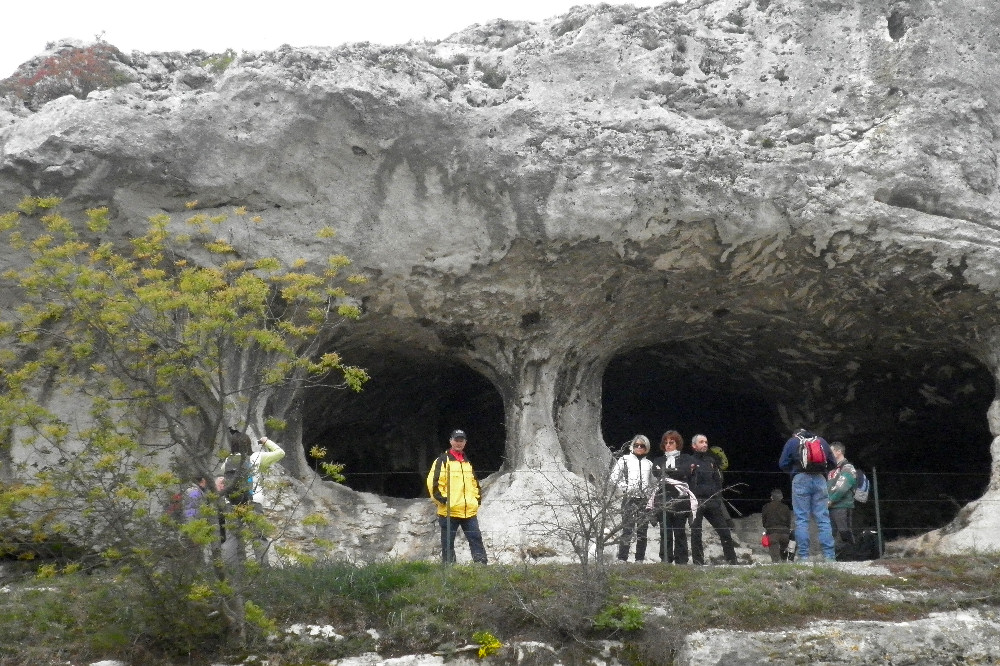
{"type": "Point", "coordinates": [387, 435]}
{"type": "Point", "coordinates": [918, 422]}
{"type": "Point", "coordinates": [930, 457]}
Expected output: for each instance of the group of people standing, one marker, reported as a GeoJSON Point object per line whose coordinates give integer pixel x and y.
{"type": "Point", "coordinates": [674, 488]}
{"type": "Point", "coordinates": [240, 484]}
{"type": "Point", "coordinates": [677, 488]}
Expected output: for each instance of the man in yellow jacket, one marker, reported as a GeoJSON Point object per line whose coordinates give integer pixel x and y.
{"type": "Point", "coordinates": [453, 486]}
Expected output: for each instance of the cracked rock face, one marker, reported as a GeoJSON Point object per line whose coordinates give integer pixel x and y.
{"type": "Point", "coordinates": [725, 217]}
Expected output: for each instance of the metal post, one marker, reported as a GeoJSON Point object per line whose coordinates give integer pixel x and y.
{"type": "Point", "coordinates": [447, 523]}
{"type": "Point", "coordinates": [663, 519]}
{"type": "Point", "coordinates": [878, 515]}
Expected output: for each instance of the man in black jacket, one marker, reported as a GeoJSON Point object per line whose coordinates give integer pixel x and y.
{"type": "Point", "coordinates": [705, 479]}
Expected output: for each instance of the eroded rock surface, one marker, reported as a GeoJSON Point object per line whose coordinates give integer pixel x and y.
{"type": "Point", "coordinates": [787, 202]}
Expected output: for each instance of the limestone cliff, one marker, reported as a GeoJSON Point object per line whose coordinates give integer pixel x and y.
{"type": "Point", "coordinates": [780, 200]}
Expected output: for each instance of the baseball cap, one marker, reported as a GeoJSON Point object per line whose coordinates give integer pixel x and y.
{"type": "Point", "coordinates": [458, 434]}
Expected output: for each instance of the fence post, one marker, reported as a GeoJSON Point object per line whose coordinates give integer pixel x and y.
{"type": "Point", "coordinates": [878, 515]}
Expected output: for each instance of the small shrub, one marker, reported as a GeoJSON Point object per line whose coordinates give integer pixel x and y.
{"type": "Point", "coordinates": [628, 615]}
{"type": "Point", "coordinates": [493, 76]}
{"type": "Point", "coordinates": [220, 62]}
{"type": "Point", "coordinates": [73, 71]}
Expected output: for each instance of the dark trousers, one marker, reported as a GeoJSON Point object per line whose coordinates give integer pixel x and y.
{"type": "Point", "coordinates": [842, 533]}
{"type": "Point", "coordinates": [634, 522]}
{"type": "Point", "coordinates": [711, 510]}
{"type": "Point", "coordinates": [779, 544]}
{"type": "Point", "coordinates": [470, 526]}
{"type": "Point", "coordinates": [673, 538]}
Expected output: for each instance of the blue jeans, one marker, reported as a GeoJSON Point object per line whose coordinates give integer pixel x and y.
{"type": "Point", "coordinates": [470, 526]}
{"type": "Point", "coordinates": [810, 499]}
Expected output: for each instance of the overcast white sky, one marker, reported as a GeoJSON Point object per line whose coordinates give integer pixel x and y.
{"type": "Point", "coordinates": [252, 25]}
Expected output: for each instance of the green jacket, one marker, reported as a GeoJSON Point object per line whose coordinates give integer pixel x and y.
{"type": "Point", "coordinates": [841, 482]}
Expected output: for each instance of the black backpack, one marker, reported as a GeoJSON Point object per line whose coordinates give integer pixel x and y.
{"type": "Point", "coordinates": [239, 480]}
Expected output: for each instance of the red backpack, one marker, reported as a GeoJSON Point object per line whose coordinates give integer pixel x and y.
{"type": "Point", "coordinates": [812, 457]}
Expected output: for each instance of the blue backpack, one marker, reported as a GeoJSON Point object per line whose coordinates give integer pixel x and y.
{"type": "Point", "coordinates": [863, 487]}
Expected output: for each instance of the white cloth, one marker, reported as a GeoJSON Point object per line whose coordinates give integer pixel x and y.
{"type": "Point", "coordinates": [682, 490]}
{"type": "Point", "coordinates": [633, 475]}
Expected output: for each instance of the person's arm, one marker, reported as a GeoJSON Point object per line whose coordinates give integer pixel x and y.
{"type": "Point", "coordinates": [843, 484]}
{"type": "Point", "coordinates": [434, 482]}
{"type": "Point", "coordinates": [273, 454]}
{"type": "Point", "coordinates": [831, 462]}
{"type": "Point", "coordinates": [787, 460]}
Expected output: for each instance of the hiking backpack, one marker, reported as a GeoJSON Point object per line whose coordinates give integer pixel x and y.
{"type": "Point", "coordinates": [863, 486]}
{"type": "Point", "coordinates": [239, 480]}
{"type": "Point", "coordinates": [812, 457]}
{"type": "Point", "coordinates": [174, 507]}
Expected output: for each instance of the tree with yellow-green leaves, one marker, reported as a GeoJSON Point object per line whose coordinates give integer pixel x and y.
{"type": "Point", "coordinates": [123, 365]}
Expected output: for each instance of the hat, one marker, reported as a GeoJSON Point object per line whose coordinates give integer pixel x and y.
{"type": "Point", "coordinates": [458, 434]}
{"type": "Point", "coordinates": [776, 494]}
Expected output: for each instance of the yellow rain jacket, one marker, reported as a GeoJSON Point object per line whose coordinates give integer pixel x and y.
{"type": "Point", "coordinates": [453, 487]}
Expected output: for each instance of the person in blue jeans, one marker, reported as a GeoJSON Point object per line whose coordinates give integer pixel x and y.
{"type": "Point", "coordinates": [810, 498]}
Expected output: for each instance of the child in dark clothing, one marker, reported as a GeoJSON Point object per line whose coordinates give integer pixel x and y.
{"type": "Point", "coordinates": [777, 520]}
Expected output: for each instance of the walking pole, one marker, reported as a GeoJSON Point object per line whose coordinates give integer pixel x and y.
{"type": "Point", "coordinates": [878, 515]}
{"type": "Point", "coordinates": [447, 523]}
{"type": "Point", "coordinates": [663, 523]}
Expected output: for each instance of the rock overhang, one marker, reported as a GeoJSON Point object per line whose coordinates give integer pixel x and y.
{"type": "Point", "coordinates": [795, 196]}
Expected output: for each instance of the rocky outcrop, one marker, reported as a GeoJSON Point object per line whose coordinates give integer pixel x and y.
{"type": "Point", "coordinates": [790, 205]}
{"type": "Point", "coordinates": [942, 638]}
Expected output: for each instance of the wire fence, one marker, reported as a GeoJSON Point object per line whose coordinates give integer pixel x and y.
{"type": "Point", "coordinates": [910, 502]}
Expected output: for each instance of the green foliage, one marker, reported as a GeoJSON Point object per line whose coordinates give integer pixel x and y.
{"type": "Point", "coordinates": [487, 642]}
{"type": "Point", "coordinates": [627, 615]}
{"type": "Point", "coordinates": [218, 63]}
{"type": "Point", "coordinates": [421, 607]}
{"type": "Point", "coordinates": [159, 354]}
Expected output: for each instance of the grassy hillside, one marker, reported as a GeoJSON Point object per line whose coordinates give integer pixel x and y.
{"type": "Point", "coordinates": [322, 612]}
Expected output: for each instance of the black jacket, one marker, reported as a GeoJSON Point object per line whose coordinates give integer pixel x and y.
{"type": "Point", "coordinates": [704, 474]}
{"type": "Point", "coordinates": [681, 470]}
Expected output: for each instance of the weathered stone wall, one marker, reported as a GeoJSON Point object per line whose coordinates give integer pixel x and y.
{"type": "Point", "coordinates": [803, 196]}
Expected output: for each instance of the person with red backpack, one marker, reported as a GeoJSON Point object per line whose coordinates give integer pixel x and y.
{"type": "Point", "coordinates": [807, 458]}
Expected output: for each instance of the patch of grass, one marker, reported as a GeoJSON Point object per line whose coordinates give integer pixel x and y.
{"type": "Point", "coordinates": [418, 607]}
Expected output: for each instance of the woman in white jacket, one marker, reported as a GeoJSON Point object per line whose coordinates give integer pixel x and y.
{"type": "Point", "coordinates": [632, 474]}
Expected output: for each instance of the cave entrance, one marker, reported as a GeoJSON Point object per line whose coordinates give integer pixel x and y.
{"type": "Point", "coordinates": [388, 435]}
{"type": "Point", "coordinates": [918, 418]}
